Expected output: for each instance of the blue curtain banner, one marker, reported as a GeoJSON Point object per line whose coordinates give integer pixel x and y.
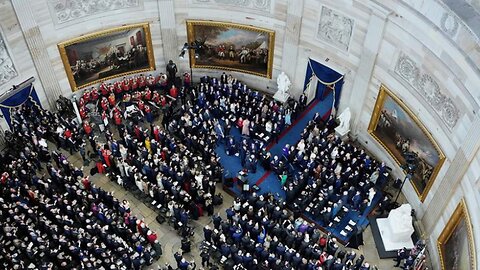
{"type": "Point", "coordinates": [326, 77]}
{"type": "Point", "coordinates": [27, 96]}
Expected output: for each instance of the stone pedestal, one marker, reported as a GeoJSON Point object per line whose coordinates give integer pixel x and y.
{"type": "Point", "coordinates": [281, 97]}
{"type": "Point", "coordinates": [397, 229]}
{"type": "Point", "coordinates": [342, 133]}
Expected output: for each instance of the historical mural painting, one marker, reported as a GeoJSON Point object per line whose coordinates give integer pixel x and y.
{"type": "Point", "coordinates": [231, 46]}
{"type": "Point", "coordinates": [455, 244]}
{"type": "Point", "coordinates": [107, 54]}
{"type": "Point", "coordinates": [407, 140]}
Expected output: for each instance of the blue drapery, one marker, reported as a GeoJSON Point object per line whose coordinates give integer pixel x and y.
{"type": "Point", "coordinates": [27, 96]}
{"type": "Point", "coordinates": [326, 77]}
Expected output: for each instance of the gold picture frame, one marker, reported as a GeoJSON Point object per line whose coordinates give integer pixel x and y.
{"type": "Point", "coordinates": [455, 238]}
{"type": "Point", "coordinates": [107, 54]}
{"type": "Point", "coordinates": [231, 46]}
{"type": "Point", "coordinates": [406, 139]}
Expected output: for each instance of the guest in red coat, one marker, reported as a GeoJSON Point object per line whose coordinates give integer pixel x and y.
{"type": "Point", "coordinates": [173, 91]}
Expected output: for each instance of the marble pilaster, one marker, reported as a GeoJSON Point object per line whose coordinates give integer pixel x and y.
{"type": "Point", "coordinates": [291, 40]}
{"type": "Point", "coordinates": [38, 51]}
{"type": "Point", "coordinates": [453, 176]}
{"type": "Point", "coordinates": [371, 45]}
{"type": "Point", "coordinates": [166, 12]}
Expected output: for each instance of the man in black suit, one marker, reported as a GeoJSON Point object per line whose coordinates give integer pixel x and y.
{"type": "Point", "coordinates": [172, 70]}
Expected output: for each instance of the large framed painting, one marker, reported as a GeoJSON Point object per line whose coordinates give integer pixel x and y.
{"type": "Point", "coordinates": [107, 54]}
{"type": "Point", "coordinates": [231, 46]}
{"type": "Point", "coordinates": [407, 140]}
{"type": "Point", "coordinates": [455, 244]}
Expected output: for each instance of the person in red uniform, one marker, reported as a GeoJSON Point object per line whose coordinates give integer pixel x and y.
{"type": "Point", "coordinates": [104, 103]}
{"type": "Point", "coordinates": [111, 89]}
{"type": "Point", "coordinates": [134, 83]}
{"type": "Point", "coordinates": [117, 118]}
{"type": "Point", "coordinates": [86, 96]}
{"type": "Point", "coordinates": [150, 81]}
{"type": "Point", "coordinates": [104, 89]}
{"type": "Point", "coordinates": [125, 85]}
{"type": "Point", "coordinates": [111, 99]}
{"type": "Point", "coordinates": [81, 102]}
{"type": "Point", "coordinates": [107, 154]}
{"type": "Point", "coordinates": [94, 94]}
{"type": "Point", "coordinates": [83, 112]}
{"type": "Point", "coordinates": [186, 80]}
{"type": "Point", "coordinates": [163, 101]}
{"type": "Point", "coordinates": [142, 82]}
{"type": "Point", "coordinates": [156, 97]}
{"type": "Point", "coordinates": [156, 133]}
{"type": "Point", "coordinates": [147, 94]}
{"type": "Point", "coordinates": [87, 128]}
{"type": "Point", "coordinates": [67, 134]}
{"type": "Point", "coordinates": [138, 132]}
{"type": "Point", "coordinates": [118, 90]}
{"type": "Point", "coordinates": [86, 182]}
{"type": "Point", "coordinates": [151, 236]}
{"type": "Point", "coordinates": [141, 105]}
{"type": "Point", "coordinates": [174, 91]}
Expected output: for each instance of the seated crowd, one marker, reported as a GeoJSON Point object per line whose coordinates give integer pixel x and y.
{"type": "Point", "coordinates": [61, 220]}
{"type": "Point", "coordinates": [260, 233]}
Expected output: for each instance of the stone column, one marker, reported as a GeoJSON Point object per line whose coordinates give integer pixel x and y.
{"type": "Point", "coordinates": [291, 40]}
{"type": "Point", "coordinates": [166, 12]}
{"type": "Point", "coordinates": [38, 50]}
{"type": "Point", "coordinates": [371, 45]}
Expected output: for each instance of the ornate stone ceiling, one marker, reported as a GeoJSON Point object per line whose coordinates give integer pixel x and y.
{"type": "Point", "coordinates": [468, 11]}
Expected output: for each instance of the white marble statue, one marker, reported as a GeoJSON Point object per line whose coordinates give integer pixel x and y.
{"type": "Point", "coordinates": [283, 84]}
{"type": "Point", "coordinates": [397, 229]}
{"type": "Point", "coordinates": [400, 220]}
{"type": "Point", "coordinates": [344, 119]}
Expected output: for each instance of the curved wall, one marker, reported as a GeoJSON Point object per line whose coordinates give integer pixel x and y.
{"type": "Point", "coordinates": [419, 49]}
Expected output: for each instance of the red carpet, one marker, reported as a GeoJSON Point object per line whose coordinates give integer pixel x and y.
{"type": "Point", "coordinates": [309, 108]}
{"type": "Point", "coordinates": [264, 176]}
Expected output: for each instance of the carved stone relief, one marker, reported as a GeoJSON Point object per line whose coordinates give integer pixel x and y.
{"type": "Point", "coordinates": [7, 69]}
{"type": "Point", "coordinates": [449, 24]}
{"type": "Point", "coordinates": [335, 28]}
{"type": "Point", "coordinates": [428, 88]}
{"type": "Point", "coordinates": [256, 5]}
{"type": "Point", "coordinates": [69, 10]}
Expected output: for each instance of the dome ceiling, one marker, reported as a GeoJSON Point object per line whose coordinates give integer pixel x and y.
{"type": "Point", "coordinates": [468, 11]}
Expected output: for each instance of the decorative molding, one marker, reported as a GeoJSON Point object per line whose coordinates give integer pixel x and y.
{"type": "Point", "coordinates": [7, 68]}
{"type": "Point", "coordinates": [335, 28]}
{"type": "Point", "coordinates": [64, 11]}
{"type": "Point", "coordinates": [449, 24]}
{"type": "Point", "coordinates": [428, 88]}
{"type": "Point", "coordinates": [255, 5]}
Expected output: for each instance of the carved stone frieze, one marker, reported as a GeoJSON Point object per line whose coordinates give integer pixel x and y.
{"type": "Point", "coordinates": [335, 28]}
{"type": "Point", "coordinates": [69, 10]}
{"type": "Point", "coordinates": [7, 68]}
{"type": "Point", "coordinates": [449, 24]}
{"type": "Point", "coordinates": [256, 5]}
{"type": "Point", "coordinates": [428, 88]}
